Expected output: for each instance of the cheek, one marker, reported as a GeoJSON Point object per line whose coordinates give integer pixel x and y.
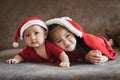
{"type": "Point", "coordinates": [60, 45]}
{"type": "Point", "coordinates": [42, 36]}
{"type": "Point", "coordinates": [73, 39]}
{"type": "Point", "coordinates": [26, 40]}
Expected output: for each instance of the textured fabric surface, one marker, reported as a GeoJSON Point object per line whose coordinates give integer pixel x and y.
{"type": "Point", "coordinates": [44, 71]}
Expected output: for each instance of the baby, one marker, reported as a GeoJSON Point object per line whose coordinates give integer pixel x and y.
{"type": "Point", "coordinates": [34, 32]}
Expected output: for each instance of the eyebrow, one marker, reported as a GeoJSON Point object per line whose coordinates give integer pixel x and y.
{"type": "Point", "coordinates": [63, 35]}
{"type": "Point", "coordinates": [66, 32]}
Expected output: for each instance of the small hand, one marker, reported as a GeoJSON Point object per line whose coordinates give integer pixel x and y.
{"type": "Point", "coordinates": [65, 64]}
{"type": "Point", "coordinates": [12, 61]}
{"type": "Point", "coordinates": [94, 56]}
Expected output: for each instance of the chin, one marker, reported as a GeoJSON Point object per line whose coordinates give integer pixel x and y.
{"type": "Point", "coordinates": [70, 50]}
{"type": "Point", "coordinates": [35, 46]}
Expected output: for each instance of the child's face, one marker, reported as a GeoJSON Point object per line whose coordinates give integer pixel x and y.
{"type": "Point", "coordinates": [64, 39]}
{"type": "Point", "coordinates": [34, 36]}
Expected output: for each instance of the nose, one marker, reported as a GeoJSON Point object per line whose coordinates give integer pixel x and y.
{"type": "Point", "coordinates": [65, 41]}
{"type": "Point", "coordinates": [32, 36]}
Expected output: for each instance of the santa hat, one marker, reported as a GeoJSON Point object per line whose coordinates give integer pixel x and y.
{"type": "Point", "coordinates": [68, 24]}
{"type": "Point", "coordinates": [26, 24]}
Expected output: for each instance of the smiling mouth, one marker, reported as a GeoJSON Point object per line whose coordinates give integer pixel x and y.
{"type": "Point", "coordinates": [68, 46]}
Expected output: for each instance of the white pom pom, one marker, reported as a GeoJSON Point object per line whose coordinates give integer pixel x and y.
{"type": "Point", "coordinates": [67, 18]}
{"type": "Point", "coordinates": [15, 44]}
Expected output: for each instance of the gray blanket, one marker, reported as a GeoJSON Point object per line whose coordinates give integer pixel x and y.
{"type": "Point", "coordinates": [46, 71]}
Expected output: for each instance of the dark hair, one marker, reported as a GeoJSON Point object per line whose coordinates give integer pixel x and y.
{"type": "Point", "coordinates": [51, 28]}
{"type": "Point", "coordinates": [82, 47]}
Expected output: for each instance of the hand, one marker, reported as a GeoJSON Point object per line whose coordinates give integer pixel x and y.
{"type": "Point", "coordinates": [94, 56]}
{"type": "Point", "coordinates": [12, 61]}
{"type": "Point", "coordinates": [65, 64]}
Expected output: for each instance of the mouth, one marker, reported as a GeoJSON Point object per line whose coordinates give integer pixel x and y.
{"type": "Point", "coordinates": [68, 46]}
{"type": "Point", "coordinates": [33, 42]}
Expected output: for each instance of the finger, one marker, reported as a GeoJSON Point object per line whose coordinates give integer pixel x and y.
{"type": "Point", "coordinates": [95, 61]}
{"type": "Point", "coordinates": [13, 62]}
{"type": "Point", "coordinates": [64, 65]}
{"type": "Point", "coordinates": [61, 64]}
{"type": "Point", "coordinates": [8, 61]}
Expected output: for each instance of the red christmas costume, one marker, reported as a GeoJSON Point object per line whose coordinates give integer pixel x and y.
{"type": "Point", "coordinates": [52, 52]}
{"type": "Point", "coordinates": [90, 40]}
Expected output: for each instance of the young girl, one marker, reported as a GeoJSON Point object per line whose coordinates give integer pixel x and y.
{"type": "Point", "coordinates": [34, 31]}
{"type": "Point", "coordinates": [79, 45]}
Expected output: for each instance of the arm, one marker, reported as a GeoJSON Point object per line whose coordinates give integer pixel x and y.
{"type": "Point", "coordinates": [15, 60]}
{"type": "Point", "coordinates": [64, 60]}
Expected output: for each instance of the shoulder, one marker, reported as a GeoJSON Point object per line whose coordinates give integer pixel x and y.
{"type": "Point", "coordinates": [52, 46]}
{"type": "Point", "coordinates": [48, 43]}
{"type": "Point", "coordinates": [27, 49]}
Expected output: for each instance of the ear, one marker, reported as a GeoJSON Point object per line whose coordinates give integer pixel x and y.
{"type": "Point", "coordinates": [46, 33]}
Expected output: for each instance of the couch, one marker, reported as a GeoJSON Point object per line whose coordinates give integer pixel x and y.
{"type": "Point", "coordinates": [94, 16]}
{"type": "Point", "coordinates": [46, 71]}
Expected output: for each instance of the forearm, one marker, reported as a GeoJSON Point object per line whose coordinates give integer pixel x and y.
{"type": "Point", "coordinates": [63, 57]}
{"type": "Point", "coordinates": [18, 58]}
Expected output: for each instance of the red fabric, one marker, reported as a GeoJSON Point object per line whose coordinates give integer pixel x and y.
{"type": "Point", "coordinates": [74, 57]}
{"type": "Point", "coordinates": [52, 52]}
{"type": "Point", "coordinates": [95, 43]}
{"type": "Point", "coordinates": [90, 40]}
{"type": "Point", "coordinates": [77, 26]}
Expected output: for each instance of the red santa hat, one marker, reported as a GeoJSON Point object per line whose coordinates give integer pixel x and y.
{"type": "Point", "coordinates": [26, 24]}
{"type": "Point", "coordinates": [89, 39]}
{"type": "Point", "coordinates": [68, 24]}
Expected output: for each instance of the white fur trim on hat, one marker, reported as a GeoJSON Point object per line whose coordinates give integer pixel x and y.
{"type": "Point", "coordinates": [65, 23]}
{"type": "Point", "coordinates": [15, 44]}
{"type": "Point", "coordinates": [30, 23]}
{"type": "Point", "coordinates": [67, 18]}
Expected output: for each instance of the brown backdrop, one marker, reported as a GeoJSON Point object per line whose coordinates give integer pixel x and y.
{"type": "Point", "coordinates": [93, 15]}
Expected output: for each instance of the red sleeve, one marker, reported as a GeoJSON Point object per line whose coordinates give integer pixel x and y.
{"type": "Point", "coordinates": [53, 49]}
{"type": "Point", "coordinates": [93, 42]}
{"type": "Point", "coordinates": [24, 53]}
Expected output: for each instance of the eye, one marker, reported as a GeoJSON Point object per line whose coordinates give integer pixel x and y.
{"type": "Point", "coordinates": [27, 35]}
{"type": "Point", "coordinates": [67, 35]}
{"type": "Point", "coordinates": [58, 41]}
{"type": "Point", "coordinates": [36, 33]}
